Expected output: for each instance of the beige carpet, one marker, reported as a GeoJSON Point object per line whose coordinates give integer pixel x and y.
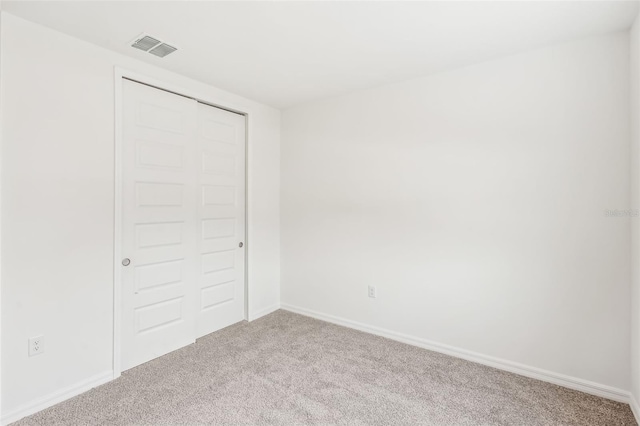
{"type": "Point", "coordinates": [292, 370]}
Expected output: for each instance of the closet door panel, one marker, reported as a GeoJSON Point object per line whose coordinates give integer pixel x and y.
{"type": "Point", "coordinates": [221, 218]}
{"type": "Point", "coordinates": [159, 187]}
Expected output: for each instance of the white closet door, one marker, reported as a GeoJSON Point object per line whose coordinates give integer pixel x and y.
{"type": "Point", "coordinates": [159, 223]}
{"type": "Point", "coordinates": [221, 217]}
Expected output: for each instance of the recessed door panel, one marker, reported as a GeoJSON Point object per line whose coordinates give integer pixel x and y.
{"type": "Point", "coordinates": [156, 316]}
{"type": "Point", "coordinates": [154, 235]}
{"type": "Point", "coordinates": [219, 195]}
{"type": "Point", "coordinates": [218, 294]}
{"type": "Point", "coordinates": [218, 129]}
{"type": "Point", "coordinates": [159, 194]}
{"type": "Point", "coordinates": [218, 228]}
{"type": "Point", "coordinates": [160, 155]}
{"type": "Point", "coordinates": [148, 277]}
{"type": "Point", "coordinates": [219, 163]}
{"type": "Point", "coordinates": [218, 261]}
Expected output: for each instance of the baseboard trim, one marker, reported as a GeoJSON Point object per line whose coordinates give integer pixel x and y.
{"type": "Point", "coordinates": [56, 397]}
{"type": "Point", "coordinates": [266, 311]}
{"type": "Point", "coordinates": [513, 367]}
{"type": "Point", "coordinates": [586, 386]}
{"type": "Point", "coordinates": [635, 407]}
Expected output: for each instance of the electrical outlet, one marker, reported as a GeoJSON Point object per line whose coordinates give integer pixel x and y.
{"type": "Point", "coordinates": [36, 345]}
{"type": "Point", "coordinates": [372, 292]}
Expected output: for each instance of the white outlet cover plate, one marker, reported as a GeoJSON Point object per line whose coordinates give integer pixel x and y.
{"type": "Point", "coordinates": [36, 345]}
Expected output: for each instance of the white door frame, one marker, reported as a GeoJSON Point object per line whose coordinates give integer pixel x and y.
{"type": "Point", "coordinates": [119, 75]}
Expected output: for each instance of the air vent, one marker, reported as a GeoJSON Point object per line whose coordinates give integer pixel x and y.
{"type": "Point", "coordinates": [162, 50]}
{"type": "Point", "coordinates": [145, 43]}
{"type": "Point", "coordinates": [152, 45]}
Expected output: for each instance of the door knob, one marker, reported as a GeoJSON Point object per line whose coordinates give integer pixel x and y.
{"type": "Point", "coordinates": [126, 261]}
{"type": "Point", "coordinates": [240, 245]}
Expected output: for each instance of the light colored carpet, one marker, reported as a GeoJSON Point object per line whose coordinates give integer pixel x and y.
{"type": "Point", "coordinates": [292, 370]}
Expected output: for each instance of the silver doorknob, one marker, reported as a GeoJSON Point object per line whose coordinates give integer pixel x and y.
{"type": "Point", "coordinates": [240, 245]}
{"type": "Point", "coordinates": [126, 261]}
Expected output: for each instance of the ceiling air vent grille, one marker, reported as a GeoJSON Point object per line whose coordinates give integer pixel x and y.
{"type": "Point", "coordinates": [152, 45]}
{"type": "Point", "coordinates": [145, 43]}
{"type": "Point", "coordinates": [162, 50]}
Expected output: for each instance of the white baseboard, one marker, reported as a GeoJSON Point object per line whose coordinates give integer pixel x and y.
{"type": "Point", "coordinates": [524, 370]}
{"type": "Point", "coordinates": [502, 364]}
{"type": "Point", "coordinates": [78, 388]}
{"type": "Point", "coordinates": [56, 397]}
{"type": "Point", "coordinates": [635, 407]}
{"type": "Point", "coordinates": [266, 311]}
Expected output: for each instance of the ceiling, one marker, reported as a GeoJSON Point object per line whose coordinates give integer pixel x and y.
{"type": "Point", "coordinates": [287, 53]}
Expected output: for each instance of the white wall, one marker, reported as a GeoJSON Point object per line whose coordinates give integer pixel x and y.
{"type": "Point", "coordinates": [57, 208]}
{"type": "Point", "coordinates": [634, 47]}
{"type": "Point", "coordinates": [474, 201]}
